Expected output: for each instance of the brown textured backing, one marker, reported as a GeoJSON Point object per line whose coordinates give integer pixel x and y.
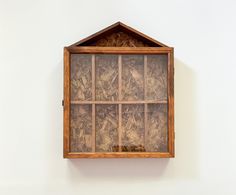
{"type": "Point", "coordinates": [133, 128]}
{"type": "Point", "coordinates": [106, 128]}
{"type": "Point", "coordinates": [156, 79]}
{"type": "Point", "coordinates": [119, 39]}
{"type": "Point", "coordinates": [106, 77]}
{"type": "Point", "coordinates": [119, 103]}
{"type": "Point", "coordinates": [81, 77]}
{"type": "Point", "coordinates": [157, 135]}
{"type": "Point", "coordinates": [132, 77]}
{"type": "Point", "coordinates": [81, 128]}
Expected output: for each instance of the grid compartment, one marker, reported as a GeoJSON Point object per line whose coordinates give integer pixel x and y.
{"type": "Point", "coordinates": [132, 128]}
{"type": "Point", "coordinates": [156, 132]}
{"type": "Point", "coordinates": [156, 78]}
{"type": "Point", "coordinates": [106, 128]}
{"type": "Point", "coordinates": [106, 77]}
{"type": "Point", "coordinates": [81, 128]}
{"type": "Point", "coordinates": [132, 77]}
{"type": "Point", "coordinates": [81, 77]}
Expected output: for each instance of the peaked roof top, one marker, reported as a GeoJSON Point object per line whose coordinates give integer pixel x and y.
{"type": "Point", "coordinates": [122, 32]}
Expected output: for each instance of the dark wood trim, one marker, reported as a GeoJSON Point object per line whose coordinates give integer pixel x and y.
{"type": "Point", "coordinates": [120, 50]}
{"type": "Point", "coordinates": [120, 155]}
{"type": "Point", "coordinates": [171, 103]}
{"type": "Point", "coordinates": [66, 140]}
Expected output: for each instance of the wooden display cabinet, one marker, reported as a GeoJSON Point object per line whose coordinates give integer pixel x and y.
{"type": "Point", "coordinates": [118, 96]}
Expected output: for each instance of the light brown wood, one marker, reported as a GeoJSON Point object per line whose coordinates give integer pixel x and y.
{"type": "Point", "coordinates": [121, 102]}
{"type": "Point", "coordinates": [120, 50]}
{"type": "Point", "coordinates": [171, 130]}
{"type": "Point", "coordinates": [145, 97]}
{"type": "Point", "coordinates": [145, 124]}
{"type": "Point", "coordinates": [66, 103]}
{"type": "Point", "coordinates": [120, 98]}
{"type": "Point", "coordinates": [120, 155]}
{"type": "Point", "coordinates": [120, 78]}
{"type": "Point", "coordinates": [93, 128]}
{"type": "Point", "coordinates": [93, 105]}
{"type": "Point", "coordinates": [120, 127]}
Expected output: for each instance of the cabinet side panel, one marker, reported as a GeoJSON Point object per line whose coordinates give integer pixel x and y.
{"type": "Point", "coordinates": [66, 106]}
{"type": "Point", "coordinates": [171, 131]}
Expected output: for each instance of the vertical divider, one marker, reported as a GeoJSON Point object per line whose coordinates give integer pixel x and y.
{"type": "Point", "coordinates": [145, 99]}
{"type": "Point", "coordinates": [93, 105]}
{"type": "Point", "coordinates": [120, 98]}
{"type": "Point", "coordinates": [120, 127]}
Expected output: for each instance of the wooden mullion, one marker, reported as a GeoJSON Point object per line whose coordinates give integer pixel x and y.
{"type": "Point", "coordinates": [93, 78]}
{"type": "Point", "coordinates": [93, 105]}
{"type": "Point", "coordinates": [93, 128]}
{"type": "Point", "coordinates": [145, 99]}
{"type": "Point", "coordinates": [119, 78]}
{"type": "Point", "coordinates": [120, 127]}
{"type": "Point", "coordinates": [120, 99]}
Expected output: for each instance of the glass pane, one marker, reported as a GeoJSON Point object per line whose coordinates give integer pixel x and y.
{"type": "Point", "coordinates": [106, 77]}
{"type": "Point", "coordinates": [81, 77]}
{"type": "Point", "coordinates": [156, 77]}
{"type": "Point", "coordinates": [81, 128]}
{"type": "Point", "coordinates": [132, 77]}
{"type": "Point", "coordinates": [156, 136]}
{"type": "Point", "coordinates": [132, 128]}
{"type": "Point", "coordinates": [106, 128]}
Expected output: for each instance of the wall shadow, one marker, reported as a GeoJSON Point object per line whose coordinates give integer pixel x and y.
{"type": "Point", "coordinates": [183, 166]}
{"type": "Point", "coordinates": [118, 168]}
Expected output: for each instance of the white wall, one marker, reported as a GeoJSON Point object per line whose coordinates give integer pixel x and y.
{"type": "Point", "coordinates": [32, 36]}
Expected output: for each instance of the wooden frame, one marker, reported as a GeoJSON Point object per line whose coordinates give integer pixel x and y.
{"type": "Point", "coordinates": [93, 50]}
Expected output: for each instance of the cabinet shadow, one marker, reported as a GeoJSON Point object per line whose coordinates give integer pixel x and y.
{"type": "Point", "coordinates": [183, 166]}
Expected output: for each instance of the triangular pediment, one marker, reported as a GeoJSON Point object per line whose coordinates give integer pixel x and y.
{"type": "Point", "coordinates": [119, 35]}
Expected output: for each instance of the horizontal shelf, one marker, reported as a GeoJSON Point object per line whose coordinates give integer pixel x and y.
{"type": "Point", "coordinates": [121, 102]}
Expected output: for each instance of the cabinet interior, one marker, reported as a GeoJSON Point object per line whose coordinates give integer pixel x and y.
{"type": "Point", "coordinates": [118, 103]}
